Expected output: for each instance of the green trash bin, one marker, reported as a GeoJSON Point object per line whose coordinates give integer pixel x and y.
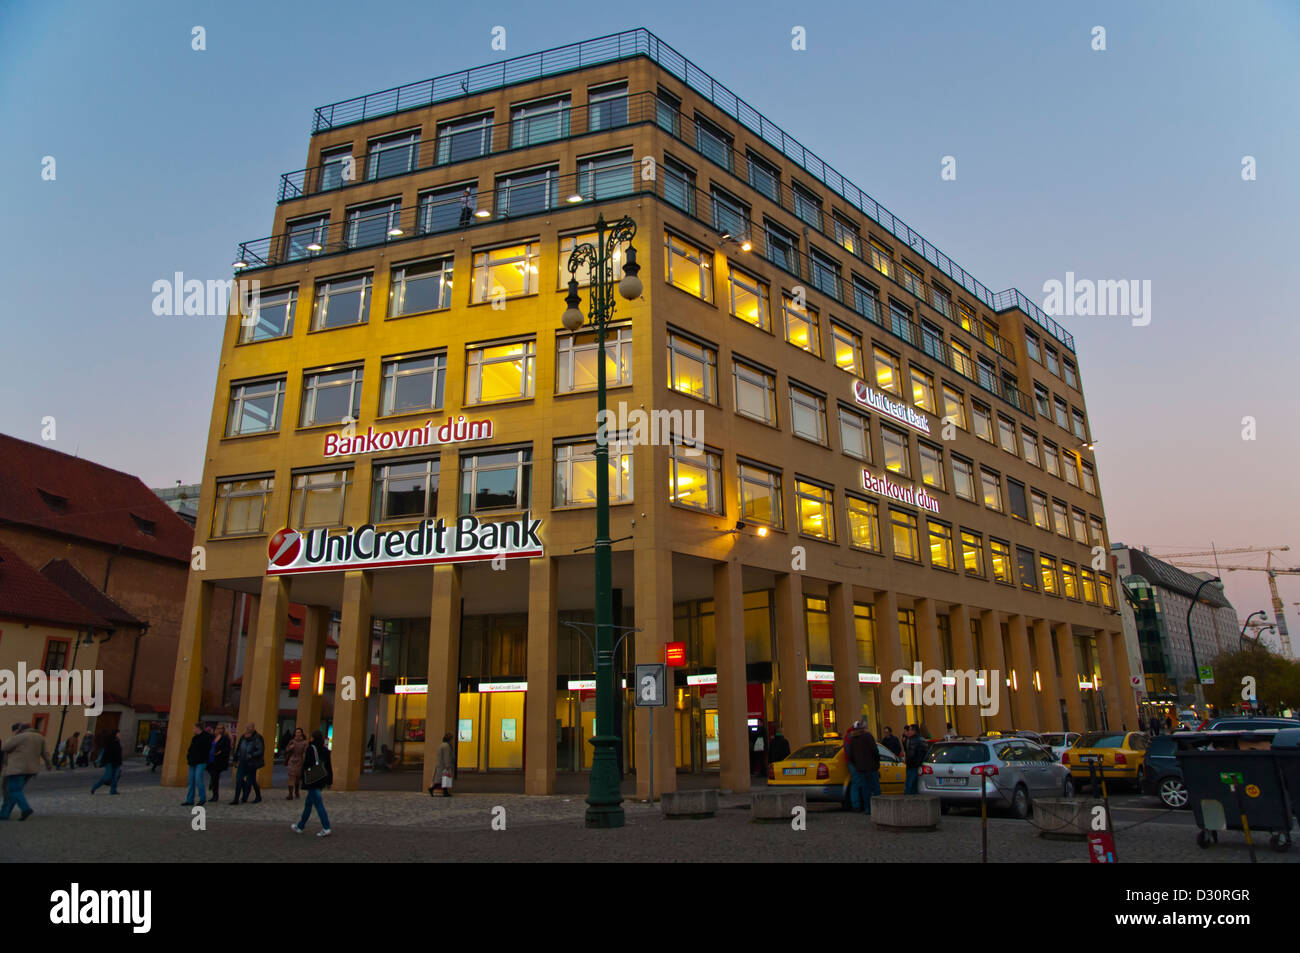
{"type": "Point", "coordinates": [1210, 775]}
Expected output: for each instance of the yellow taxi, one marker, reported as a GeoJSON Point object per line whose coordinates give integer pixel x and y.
{"type": "Point", "coordinates": [821, 771]}
{"type": "Point", "coordinates": [1123, 755]}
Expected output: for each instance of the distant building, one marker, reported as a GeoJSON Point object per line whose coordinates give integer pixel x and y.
{"type": "Point", "coordinates": [182, 498]}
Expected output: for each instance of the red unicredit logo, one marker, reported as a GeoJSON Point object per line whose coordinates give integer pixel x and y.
{"type": "Point", "coordinates": [284, 547]}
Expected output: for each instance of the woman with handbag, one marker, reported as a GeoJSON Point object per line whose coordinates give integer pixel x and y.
{"type": "Point", "coordinates": [442, 771]}
{"type": "Point", "coordinates": [317, 773]}
{"type": "Point", "coordinates": [294, 752]}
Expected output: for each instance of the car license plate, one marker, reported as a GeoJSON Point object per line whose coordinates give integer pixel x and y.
{"type": "Point", "coordinates": [794, 771]}
{"type": "Point", "coordinates": [952, 782]}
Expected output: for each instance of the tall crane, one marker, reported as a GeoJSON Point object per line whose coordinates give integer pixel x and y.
{"type": "Point", "coordinates": [1279, 614]}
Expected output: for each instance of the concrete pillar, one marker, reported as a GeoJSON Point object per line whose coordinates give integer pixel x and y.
{"type": "Point", "coordinates": [246, 680]}
{"type": "Point", "coordinates": [733, 704]}
{"type": "Point", "coordinates": [350, 697]}
{"type": "Point", "coordinates": [654, 617]}
{"type": "Point", "coordinates": [543, 662]}
{"type": "Point", "coordinates": [844, 655]}
{"type": "Point", "coordinates": [187, 680]}
{"type": "Point", "coordinates": [315, 633]}
{"type": "Point", "coordinates": [889, 659]}
{"type": "Point", "coordinates": [1110, 683]}
{"type": "Point", "coordinates": [1023, 696]}
{"type": "Point", "coordinates": [1123, 672]}
{"type": "Point", "coordinates": [927, 640]}
{"type": "Point", "coordinates": [963, 657]}
{"type": "Point", "coordinates": [268, 667]}
{"type": "Point", "coordinates": [995, 662]}
{"type": "Point", "coordinates": [1064, 636]}
{"type": "Point", "coordinates": [792, 659]}
{"type": "Point", "coordinates": [1051, 695]}
{"type": "Point", "coordinates": [442, 704]}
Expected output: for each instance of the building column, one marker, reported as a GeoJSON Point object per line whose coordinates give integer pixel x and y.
{"type": "Point", "coordinates": [268, 667]}
{"type": "Point", "coordinates": [1124, 673]}
{"type": "Point", "coordinates": [654, 617]}
{"type": "Point", "coordinates": [1023, 702]}
{"type": "Point", "coordinates": [997, 670]}
{"type": "Point", "coordinates": [1051, 694]}
{"type": "Point", "coordinates": [889, 660]}
{"type": "Point", "coordinates": [844, 655]}
{"type": "Point", "coordinates": [543, 662]}
{"type": "Point", "coordinates": [315, 633]}
{"type": "Point", "coordinates": [1110, 682]}
{"type": "Point", "coordinates": [733, 702]}
{"type": "Point", "coordinates": [442, 703]}
{"type": "Point", "coordinates": [927, 640]}
{"type": "Point", "coordinates": [249, 634]}
{"type": "Point", "coordinates": [187, 681]}
{"type": "Point", "coordinates": [1064, 636]}
{"type": "Point", "coordinates": [353, 662]}
{"type": "Point", "coordinates": [792, 657]}
{"type": "Point", "coordinates": [963, 658]}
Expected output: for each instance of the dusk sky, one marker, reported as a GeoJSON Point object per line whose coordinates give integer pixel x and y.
{"type": "Point", "coordinates": [1125, 163]}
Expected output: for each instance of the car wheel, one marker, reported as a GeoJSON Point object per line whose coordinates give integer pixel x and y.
{"type": "Point", "coordinates": [1020, 806]}
{"type": "Point", "coordinates": [1068, 787]}
{"type": "Point", "coordinates": [1173, 793]}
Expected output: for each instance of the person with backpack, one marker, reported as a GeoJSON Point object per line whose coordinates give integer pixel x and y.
{"type": "Point", "coordinates": [914, 752]}
{"type": "Point", "coordinates": [317, 774]}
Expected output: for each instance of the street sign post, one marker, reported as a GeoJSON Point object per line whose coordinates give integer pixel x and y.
{"type": "Point", "coordinates": [651, 692]}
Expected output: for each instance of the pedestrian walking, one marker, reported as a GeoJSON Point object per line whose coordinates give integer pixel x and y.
{"type": "Point", "coordinates": [864, 767]}
{"type": "Point", "coordinates": [218, 759]}
{"type": "Point", "coordinates": [87, 744]}
{"type": "Point", "coordinates": [250, 755]}
{"type": "Point", "coordinates": [442, 771]}
{"type": "Point", "coordinates": [112, 760]}
{"type": "Point", "coordinates": [294, 752]}
{"type": "Point", "coordinates": [23, 753]}
{"type": "Point", "coordinates": [317, 774]}
{"type": "Point", "coordinates": [914, 754]}
{"type": "Point", "coordinates": [891, 742]}
{"type": "Point", "coordinates": [70, 749]}
{"type": "Point", "coordinates": [197, 759]}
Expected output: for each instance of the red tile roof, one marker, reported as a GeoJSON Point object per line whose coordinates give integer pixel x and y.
{"type": "Point", "coordinates": [27, 595]}
{"type": "Point", "coordinates": [70, 579]}
{"type": "Point", "coordinates": [59, 493]}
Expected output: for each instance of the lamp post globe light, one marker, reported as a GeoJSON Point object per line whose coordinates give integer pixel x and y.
{"type": "Point", "coordinates": [604, 799]}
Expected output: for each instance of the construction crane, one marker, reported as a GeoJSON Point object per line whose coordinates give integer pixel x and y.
{"type": "Point", "coordinates": [1279, 614]}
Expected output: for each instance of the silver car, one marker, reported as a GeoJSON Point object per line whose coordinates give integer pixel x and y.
{"type": "Point", "coordinates": [1016, 772]}
{"type": "Point", "coordinates": [1060, 741]}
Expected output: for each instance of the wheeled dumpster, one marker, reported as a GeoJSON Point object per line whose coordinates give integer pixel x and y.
{"type": "Point", "coordinates": [1222, 783]}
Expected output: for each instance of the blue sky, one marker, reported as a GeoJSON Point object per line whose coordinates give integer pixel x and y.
{"type": "Point", "coordinates": [1117, 164]}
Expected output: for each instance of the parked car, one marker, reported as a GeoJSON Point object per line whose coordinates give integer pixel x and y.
{"type": "Point", "coordinates": [1122, 754]}
{"type": "Point", "coordinates": [1251, 723]}
{"type": "Point", "coordinates": [1016, 769]}
{"type": "Point", "coordinates": [1188, 719]}
{"type": "Point", "coordinates": [821, 771]}
{"type": "Point", "coordinates": [1058, 741]}
{"type": "Point", "coordinates": [1163, 776]}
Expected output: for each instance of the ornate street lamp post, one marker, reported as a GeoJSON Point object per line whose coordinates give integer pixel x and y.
{"type": "Point", "coordinates": [1198, 693]}
{"type": "Point", "coordinates": [604, 799]}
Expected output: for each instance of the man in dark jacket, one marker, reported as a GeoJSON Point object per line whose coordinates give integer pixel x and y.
{"type": "Point", "coordinates": [890, 741]}
{"type": "Point", "coordinates": [197, 759]}
{"type": "Point", "coordinates": [864, 767]}
{"type": "Point", "coordinates": [780, 746]}
{"type": "Point", "coordinates": [915, 752]}
{"type": "Point", "coordinates": [112, 759]}
{"type": "Point", "coordinates": [249, 756]}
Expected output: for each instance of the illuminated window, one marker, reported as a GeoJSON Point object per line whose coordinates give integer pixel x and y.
{"type": "Point", "coordinates": [906, 534]}
{"type": "Point", "coordinates": [801, 328]}
{"type": "Point", "coordinates": [1061, 513]}
{"type": "Point", "coordinates": [412, 383]}
{"type": "Point", "coordinates": [496, 480]}
{"type": "Point", "coordinates": [855, 434]}
{"type": "Point", "coordinates": [923, 390]}
{"type": "Point", "coordinates": [255, 407]}
{"type": "Point", "coordinates": [940, 545]}
{"type": "Point", "coordinates": [1089, 478]}
{"type": "Point", "coordinates": [965, 317]}
{"type": "Point", "coordinates": [241, 505]}
{"type": "Point", "coordinates": [1025, 564]}
{"type": "Point", "coordinates": [404, 490]}
{"type": "Point", "coordinates": [1007, 434]}
{"type": "Point", "coordinates": [419, 287]}
{"type": "Point", "coordinates": [330, 396]}
{"type": "Point", "coordinates": [1041, 519]}
{"type": "Point", "coordinates": [846, 234]}
{"type": "Point", "coordinates": [1107, 593]}
{"type": "Point", "coordinates": [575, 473]}
{"type": "Point", "coordinates": [1047, 572]}
{"type": "Point", "coordinates": [1069, 580]}
{"type": "Point", "coordinates": [1071, 467]}
{"type": "Point", "coordinates": [1029, 444]}
{"type": "Point", "coordinates": [972, 553]}
{"type": "Point", "coordinates": [689, 267]}
{"type": "Point", "coordinates": [317, 498]}
{"type": "Point", "coordinates": [760, 494]}
{"type": "Point", "coordinates": [963, 360]}
{"type": "Point", "coordinates": [618, 255]}
{"type": "Point", "coordinates": [954, 407]}
{"type": "Point", "coordinates": [341, 302]}
{"type": "Point", "coordinates": [808, 414]}
{"type": "Point", "coordinates": [881, 258]}
{"type": "Point", "coordinates": [1051, 460]}
{"type": "Point", "coordinates": [1080, 523]}
{"type": "Point", "coordinates": [576, 359]}
{"type": "Point", "coordinates": [509, 272]}
{"type": "Point", "coordinates": [963, 478]}
{"type": "Point", "coordinates": [749, 300]}
{"type": "Point", "coordinates": [694, 478]}
{"type": "Point", "coordinates": [755, 392]}
{"type": "Point", "coordinates": [983, 421]}
{"type": "Point", "coordinates": [692, 368]}
{"type": "Point", "coordinates": [864, 524]}
{"type": "Point", "coordinates": [931, 465]}
{"type": "Point", "coordinates": [1000, 553]}
{"type": "Point", "coordinates": [816, 510]}
{"type": "Point", "coordinates": [992, 484]}
{"type": "Point", "coordinates": [500, 372]}
{"type": "Point", "coordinates": [898, 457]}
{"type": "Point", "coordinates": [889, 374]}
{"type": "Point", "coordinates": [848, 349]}
{"type": "Point", "coordinates": [1089, 585]}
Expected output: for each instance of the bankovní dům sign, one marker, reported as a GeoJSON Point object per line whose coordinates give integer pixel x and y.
{"type": "Point", "coordinates": [911, 495]}
{"type": "Point", "coordinates": [430, 543]}
{"type": "Point", "coordinates": [894, 409]}
{"type": "Point", "coordinates": [457, 430]}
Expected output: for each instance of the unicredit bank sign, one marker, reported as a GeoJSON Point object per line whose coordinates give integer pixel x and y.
{"type": "Point", "coordinates": [432, 542]}
{"type": "Point", "coordinates": [894, 409]}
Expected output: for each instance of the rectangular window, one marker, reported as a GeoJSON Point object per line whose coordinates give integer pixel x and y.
{"type": "Point", "coordinates": [931, 465]}
{"type": "Point", "coordinates": [1071, 467]}
{"type": "Point", "coordinates": [1042, 400]}
{"type": "Point", "coordinates": [749, 299]}
{"type": "Point", "coordinates": [606, 107]}
{"type": "Point", "coordinates": [1052, 364]}
{"type": "Point", "coordinates": [420, 287]}
{"type": "Point", "coordinates": [1031, 346]}
{"type": "Point", "coordinates": [607, 176]}
{"type": "Point", "coordinates": [1041, 518]}
{"type": "Point", "coordinates": [889, 373]}
{"type": "Point", "coordinates": [577, 359]}
{"type": "Point", "coordinates": [1007, 434]}
{"type": "Point", "coordinates": [1080, 427]}
{"type": "Point", "coordinates": [864, 524]}
{"type": "Point", "coordinates": [755, 392]}
{"type": "Point", "coordinates": [509, 272]}
{"type": "Point", "coordinates": [317, 498]}
{"type": "Point", "coordinates": [1001, 560]}
{"type": "Point", "coordinates": [866, 300]}
{"type": "Point", "coordinates": [1062, 414]}
{"type": "Point", "coordinates": [825, 274]}
{"type": "Point", "coordinates": [542, 121]}
{"type": "Point", "coordinates": [760, 495]}
{"type": "Point", "coordinates": [932, 341]}
{"type": "Point", "coordinates": [1069, 580]}
{"type": "Point", "coordinates": [983, 421]}
{"type": "Point", "coordinates": [268, 315]}
{"type": "Point", "coordinates": [372, 224]}
{"type": "Point", "coordinates": [923, 390]}
{"type": "Point", "coordinates": [412, 383]}
{"type": "Point", "coordinates": [992, 485]}
{"type": "Point", "coordinates": [900, 322]}
{"type": "Point", "coordinates": [1107, 593]}
{"type": "Point", "coordinates": [331, 396]}
{"type": "Point", "coordinates": [855, 435]}
{"type": "Point", "coordinates": [941, 301]}
{"type": "Point", "coordinates": [526, 193]}
{"type": "Point", "coordinates": [1089, 585]}
{"type": "Point", "coordinates": [1051, 460]}
{"type": "Point", "coordinates": [575, 473]}
{"type": "Point", "coordinates": [688, 266]}
{"type": "Point", "coordinates": [1029, 445]}
{"type": "Point", "coordinates": [583, 272]}
{"type": "Point", "coordinates": [1089, 478]}
{"type": "Point", "coordinates": [965, 317]}
{"type": "Point", "coordinates": [801, 327]}
{"type": "Point", "coordinates": [668, 110]}
{"type": "Point", "coordinates": [962, 362]}
{"type": "Point", "coordinates": [906, 534]}
{"type": "Point", "coordinates": [815, 505]}
{"type": "Point", "coordinates": [466, 138]}
{"type": "Point", "coordinates": [1061, 513]}
{"type": "Point", "coordinates": [1025, 564]}
{"type": "Point", "coordinates": [808, 207]}
{"type": "Point", "coordinates": [941, 546]}
{"type": "Point", "coordinates": [241, 505]}
{"type": "Point", "coordinates": [963, 478]}
{"type": "Point", "coordinates": [730, 214]}
{"type": "Point", "coordinates": [255, 407]}
{"type": "Point", "coordinates": [498, 480]}
{"type": "Point", "coordinates": [679, 186]}
{"type": "Point", "coordinates": [306, 237]}
{"type": "Point", "coordinates": [987, 374]}
{"type": "Point", "coordinates": [404, 490]}
{"type": "Point", "coordinates": [898, 458]}
{"type": "Point", "coordinates": [1047, 572]}
{"type": "Point", "coordinates": [334, 165]}
{"type": "Point", "coordinates": [1071, 375]}
{"type": "Point", "coordinates": [392, 155]}
{"type": "Point", "coordinates": [694, 478]}
{"type": "Point", "coordinates": [446, 209]}
{"type": "Point", "coordinates": [911, 280]}
{"type": "Point", "coordinates": [496, 372]}
{"type": "Point", "coordinates": [782, 247]}
{"type": "Point", "coordinates": [808, 415]}
{"type": "Point", "coordinates": [881, 258]}
{"type": "Point", "coordinates": [763, 177]}
{"type": "Point", "coordinates": [341, 302]}
{"type": "Point", "coordinates": [972, 553]}
{"type": "Point", "coordinates": [1019, 503]}
{"type": "Point", "coordinates": [1080, 524]}
{"type": "Point", "coordinates": [954, 407]}
{"type": "Point", "coordinates": [1096, 533]}
{"type": "Point", "coordinates": [848, 349]}
{"type": "Point", "coordinates": [846, 234]}
{"type": "Point", "coordinates": [692, 368]}
{"type": "Point", "coordinates": [712, 142]}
